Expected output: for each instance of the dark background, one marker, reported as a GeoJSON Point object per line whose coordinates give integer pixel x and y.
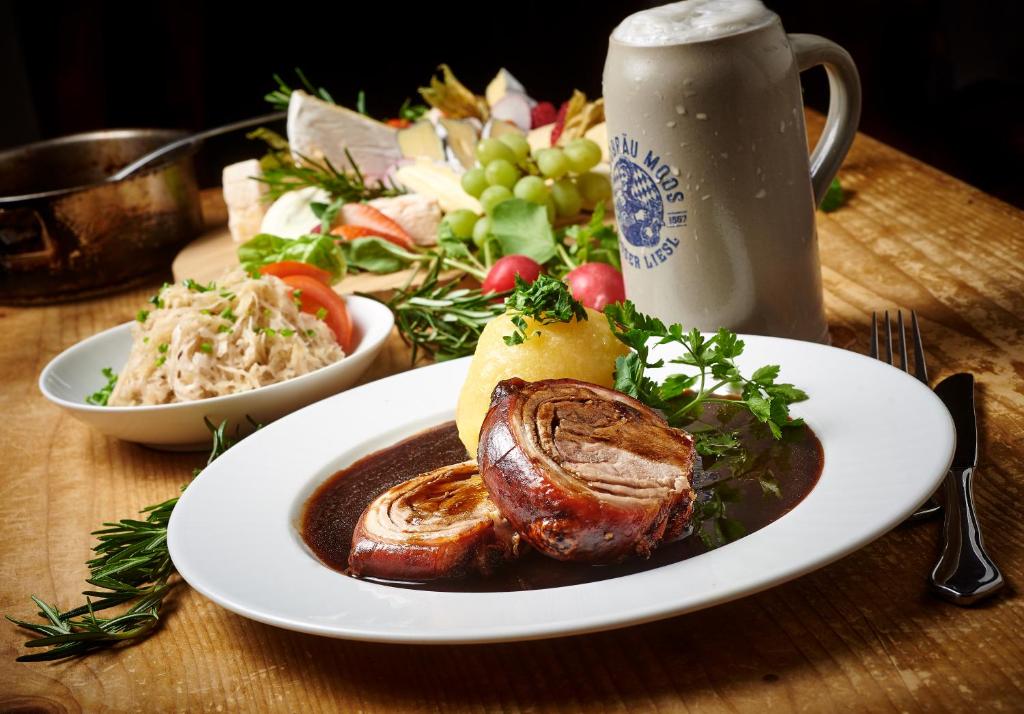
{"type": "Point", "coordinates": [943, 80]}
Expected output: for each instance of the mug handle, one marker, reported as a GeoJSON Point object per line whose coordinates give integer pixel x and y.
{"type": "Point", "coordinates": [843, 106]}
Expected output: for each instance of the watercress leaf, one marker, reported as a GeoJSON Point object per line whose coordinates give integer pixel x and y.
{"type": "Point", "coordinates": [787, 392]}
{"type": "Point", "coordinates": [316, 249]}
{"type": "Point", "coordinates": [522, 228]}
{"type": "Point", "coordinates": [759, 407]}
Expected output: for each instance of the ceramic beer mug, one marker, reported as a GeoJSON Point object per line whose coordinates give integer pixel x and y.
{"type": "Point", "coordinates": [714, 191]}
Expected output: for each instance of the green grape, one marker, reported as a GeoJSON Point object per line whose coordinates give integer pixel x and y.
{"type": "Point", "coordinates": [594, 188]}
{"type": "Point", "coordinates": [519, 145]}
{"type": "Point", "coordinates": [567, 198]}
{"type": "Point", "coordinates": [532, 189]}
{"type": "Point", "coordinates": [474, 182]}
{"type": "Point", "coordinates": [492, 196]}
{"type": "Point", "coordinates": [552, 163]}
{"type": "Point", "coordinates": [461, 221]}
{"type": "Point", "coordinates": [501, 173]}
{"type": "Point", "coordinates": [490, 149]}
{"type": "Point", "coordinates": [550, 205]}
{"type": "Point", "coordinates": [583, 155]}
{"type": "Point", "coordinates": [481, 230]}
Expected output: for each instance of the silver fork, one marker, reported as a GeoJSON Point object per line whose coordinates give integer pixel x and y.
{"type": "Point", "coordinates": [931, 506]}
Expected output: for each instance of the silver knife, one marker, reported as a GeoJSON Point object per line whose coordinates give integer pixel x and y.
{"type": "Point", "coordinates": [965, 573]}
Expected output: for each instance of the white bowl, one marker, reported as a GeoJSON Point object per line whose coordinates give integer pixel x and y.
{"type": "Point", "coordinates": [76, 373]}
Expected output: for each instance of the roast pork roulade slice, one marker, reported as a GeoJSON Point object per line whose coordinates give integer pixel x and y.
{"type": "Point", "coordinates": [585, 473]}
{"type": "Point", "coordinates": [436, 525]}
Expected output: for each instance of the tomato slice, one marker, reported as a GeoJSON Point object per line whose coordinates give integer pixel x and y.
{"type": "Point", "coordinates": [284, 268]}
{"type": "Point", "coordinates": [315, 297]}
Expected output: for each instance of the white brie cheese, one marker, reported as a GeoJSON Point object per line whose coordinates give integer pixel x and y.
{"type": "Point", "coordinates": [502, 84]}
{"type": "Point", "coordinates": [421, 139]}
{"type": "Point", "coordinates": [321, 130]}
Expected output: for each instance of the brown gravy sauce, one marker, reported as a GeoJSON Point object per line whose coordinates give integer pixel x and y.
{"type": "Point", "coordinates": [770, 481]}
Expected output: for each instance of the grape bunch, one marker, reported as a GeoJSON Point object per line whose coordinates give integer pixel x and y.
{"type": "Point", "coordinates": [559, 178]}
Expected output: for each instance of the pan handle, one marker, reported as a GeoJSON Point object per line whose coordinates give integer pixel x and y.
{"type": "Point", "coordinates": [170, 148]}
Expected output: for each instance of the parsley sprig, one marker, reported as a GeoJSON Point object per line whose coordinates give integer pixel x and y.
{"type": "Point", "coordinates": [546, 300]}
{"type": "Point", "coordinates": [680, 396]}
{"type": "Point", "coordinates": [132, 567]}
{"type": "Point", "coordinates": [101, 396]}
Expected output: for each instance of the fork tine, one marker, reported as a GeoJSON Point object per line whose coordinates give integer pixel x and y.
{"type": "Point", "coordinates": [874, 335]}
{"type": "Point", "coordinates": [920, 369]}
{"type": "Point", "coordinates": [904, 359]}
{"type": "Point", "coordinates": [888, 339]}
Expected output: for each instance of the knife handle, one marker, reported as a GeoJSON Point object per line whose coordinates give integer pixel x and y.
{"type": "Point", "coordinates": [965, 573]}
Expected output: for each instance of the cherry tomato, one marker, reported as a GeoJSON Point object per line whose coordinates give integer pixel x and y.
{"type": "Point", "coordinates": [284, 268]}
{"type": "Point", "coordinates": [315, 297]}
{"type": "Point", "coordinates": [501, 276]}
{"type": "Point", "coordinates": [596, 285]}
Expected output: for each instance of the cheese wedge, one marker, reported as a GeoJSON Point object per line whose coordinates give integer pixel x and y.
{"type": "Point", "coordinates": [437, 181]}
{"type": "Point", "coordinates": [540, 138]}
{"type": "Point", "coordinates": [460, 138]}
{"type": "Point", "coordinates": [244, 195]}
{"type": "Point", "coordinates": [502, 84]}
{"type": "Point", "coordinates": [321, 130]}
{"type": "Point", "coordinates": [421, 140]}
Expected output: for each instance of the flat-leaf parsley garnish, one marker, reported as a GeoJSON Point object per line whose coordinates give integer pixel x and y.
{"type": "Point", "coordinates": [546, 300]}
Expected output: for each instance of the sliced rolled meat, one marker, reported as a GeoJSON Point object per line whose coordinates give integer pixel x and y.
{"type": "Point", "coordinates": [585, 473]}
{"type": "Point", "coordinates": [439, 524]}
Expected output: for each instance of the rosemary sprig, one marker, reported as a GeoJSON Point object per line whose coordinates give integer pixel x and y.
{"type": "Point", "coordinates": [442, 320]}
{"type": "Point", "coordinates": [132, 567]}
{"type": "Point", "coordinates": [280, 97]}
{"type": "Point", "coordinates": [349, 186]}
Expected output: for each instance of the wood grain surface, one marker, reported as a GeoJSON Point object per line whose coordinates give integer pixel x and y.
{"type": "Point", "coordinates": [859, 635]}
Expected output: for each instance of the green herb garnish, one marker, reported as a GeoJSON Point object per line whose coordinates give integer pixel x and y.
{"type": "Point", "coordinates": [132, 567]}
{"type": "Point", "coordinates": [206, 347]}
{"type": "Point", "coordinates": [198, 287]}
{"type": "Point", "coordinates": [159, 361]}
{"type": "Point", "coordinates": [680, 396]}
{"type": "Point", "coordinates": [282, 175]}
{"type": "Point", "coordinates": [228, 314]}
{"type": "Point", "coordinates": [412, 112]}
{"type": "Point", "coordinates": [546, 300]}
{"type": "Point", "coordinates": [287, 332]}
{"type": "Point", "coordinates": [321, 313]}
{"type": "Point", "coordinates": [141, 315]}
{"type": "Point", "coordinates": [163, 347]}
{"type": "Point", "coordinates": [101, 396]}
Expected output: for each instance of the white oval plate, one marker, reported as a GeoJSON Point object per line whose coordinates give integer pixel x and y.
{"type": "Point", "coordinates": [888, 441]}
{"type": "Point", "coordinates": [76, 373]}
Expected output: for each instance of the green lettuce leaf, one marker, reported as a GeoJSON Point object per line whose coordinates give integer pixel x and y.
{"type": "Point", "coordinates": [319, 250]}
{"type": "Point", "coordinates": [376, 255]}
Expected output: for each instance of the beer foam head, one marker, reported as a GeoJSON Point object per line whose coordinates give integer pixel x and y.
{"type": "Point", "coordinates": [691, 21]}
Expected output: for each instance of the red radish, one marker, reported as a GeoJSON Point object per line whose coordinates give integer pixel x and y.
{"type": "Point", "coordinates": [542, 114]}
{"type": "Point", "coordinates": [360, 214]}
{"type": "Point", "coordinates": [501, 276]}
{"type": "Point", "coordinates": [559, 127]}
{"type": "Point", "coordinates": [596, 285]}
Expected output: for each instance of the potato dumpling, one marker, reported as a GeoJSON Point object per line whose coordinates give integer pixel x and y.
{"type": "Point", "coordinates": [572, 350]}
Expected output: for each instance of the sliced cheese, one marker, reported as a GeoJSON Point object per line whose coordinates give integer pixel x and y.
{"type": "Point", "coordinates": [460, 139]}
{"type": "Point", "coordinates": [502, 84]}
{"type": "Point", "coordinates": [321, 130]}
{"type": "Point", "coordinates": [244, 195]}
{"type": "Point", "coordinates": [437, 181]}
{"type": "Point", "coordinates": [540, 138]}
{"type": "Point", "coordinates": [418, 214]}
{"type": "Point", "coordinates": [421, 140]}
{"type": "Point", "coordinates": [291, 216]}
{"type": "Point", "coordinates": [498, 127]}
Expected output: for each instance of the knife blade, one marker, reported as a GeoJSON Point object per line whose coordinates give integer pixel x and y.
{"type": "Point", "coordinates": [964, 573]}
{"type": "Point", "coordinates": [957, 393]}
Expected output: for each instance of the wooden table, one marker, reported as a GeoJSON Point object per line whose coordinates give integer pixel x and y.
{"type": "Point", "coordinates": [862, 634]}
